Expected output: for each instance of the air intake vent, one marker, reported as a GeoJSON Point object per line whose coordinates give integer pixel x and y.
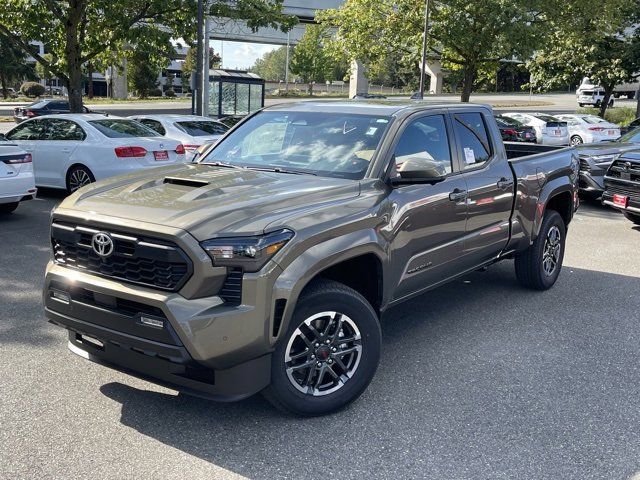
{"type": "Point", "coordinates": [231, 291]}
{"type": "Point", "coordinates": [278, 312]}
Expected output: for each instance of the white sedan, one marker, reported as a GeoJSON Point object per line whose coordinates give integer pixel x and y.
{"type": "Point", "coordinates": [590, 129]}
{"type": "Point", "coordinates": [192, 130]}
{"type": "Point", "coordinates": [16, 177]}
{"type": "Point", "coordinates": [549, 130]}
{"type": "Point", "coordinates": [73, 150]}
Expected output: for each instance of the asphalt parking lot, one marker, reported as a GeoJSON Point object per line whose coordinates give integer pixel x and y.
{"type": "Point", "coordinates": [478, 379]}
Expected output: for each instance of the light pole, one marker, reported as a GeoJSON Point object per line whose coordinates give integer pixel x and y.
{"type": "Point", "coordinates": [199, 59]}
{"type": "Point", "coordinates": [424, 48]}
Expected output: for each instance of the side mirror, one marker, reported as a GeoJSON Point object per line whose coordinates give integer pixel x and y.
{"type": "Point", "coordinates": [420, 170]}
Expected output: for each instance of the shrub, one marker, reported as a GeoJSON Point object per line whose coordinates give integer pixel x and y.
{"type": "Point", "coordinates": [32, 89]}
{"type": "Point", "coordinates": [155, 92]}
{"type": "Point", "coordinates": [170, 93]}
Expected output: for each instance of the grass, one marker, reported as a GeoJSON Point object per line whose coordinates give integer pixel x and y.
{"type": "Point", "coordinates": [619, 115]}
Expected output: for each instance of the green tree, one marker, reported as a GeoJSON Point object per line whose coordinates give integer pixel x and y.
{"type": "Point", "coordinates": [81, 31]}
{"type": "Point", "coordinates": [603, 47]}
{"type": "Point", "coordinates": [272, 65]}
{"type": "Point", "coordinates": [44, 73]}
{"type": "Point", "coordinates": [141, 75]}
{"type": "Point", "coordinates": [13, 66]}
{"type": "Point", "coordinates": [190, 63]}
{"type": "Point", "coordinates": [467, 36]}
{"type": "Point", "coordinates": [309, 59]}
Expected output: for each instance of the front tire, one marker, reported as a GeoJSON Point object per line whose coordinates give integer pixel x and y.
{"type": "Point", "coordinates": [576, 140]}
{"type": "Point", "coordinates": [8, 207]}
{"type": "Point", "coordinates": [329, 353]}
{"type": "Point", "coordinates": [539, 266]}
{"type": "Point", "coordinates": [634, 218]}
{"type": "Point", "coordinates": [78, 177]}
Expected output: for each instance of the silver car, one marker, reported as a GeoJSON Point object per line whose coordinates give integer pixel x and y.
{"type": "Point", "coordinates": [549, 130]}
{"type": "Point", "coordinates": [192, 130]}
{"type": "Point", "coordinates": [589, 129]}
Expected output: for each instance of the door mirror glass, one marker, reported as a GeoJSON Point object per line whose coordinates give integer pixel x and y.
{"type": "Point", "coordinates": [421, 168]}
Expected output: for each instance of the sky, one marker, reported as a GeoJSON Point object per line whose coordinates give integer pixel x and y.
{"type": "Point", "coordinates": [240, 55]}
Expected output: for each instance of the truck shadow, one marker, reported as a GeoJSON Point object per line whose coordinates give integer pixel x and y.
{"type": "Point", "coordinates": [478, 379]}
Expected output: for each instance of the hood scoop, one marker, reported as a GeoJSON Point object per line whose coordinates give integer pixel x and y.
{"type": "Point", "coordinates": [186, 182]}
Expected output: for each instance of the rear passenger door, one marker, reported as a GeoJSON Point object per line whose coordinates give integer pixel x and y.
{"type": "Point", "coordinates": [490, 185]}
{"type": "Point", "coordinates": [427, 224]}
{"type": "Point", "coordinates": [28, 136]}
{"type": "Point", "coordinates": [61, 138]}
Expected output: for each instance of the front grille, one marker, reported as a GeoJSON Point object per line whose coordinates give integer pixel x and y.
{"type": "Point", "coordinates": [624, 170]}
{"type": "Point", "coordinates": [144, 261]}
{"type": "Point", "coordinates": [619, 190]}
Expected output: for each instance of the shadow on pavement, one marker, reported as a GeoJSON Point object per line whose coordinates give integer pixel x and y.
{"type": "Point", "coordinates": [478, 379]}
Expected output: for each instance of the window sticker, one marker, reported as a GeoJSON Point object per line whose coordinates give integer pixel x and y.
{"type": "Point", "coordinates": [469, 156]}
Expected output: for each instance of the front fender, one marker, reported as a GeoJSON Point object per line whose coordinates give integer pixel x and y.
{"type": "Point", "coordinates": [297, 275]}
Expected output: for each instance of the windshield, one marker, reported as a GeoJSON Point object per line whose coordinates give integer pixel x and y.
{"type": "Point", "coordinates": [630, 137]}
{"type": "Point", "coordinates": [328, 144]}
{"type": "Point", "coordinates": [197, 128]}
{"type": "Point", "coordinates": [120, 128]}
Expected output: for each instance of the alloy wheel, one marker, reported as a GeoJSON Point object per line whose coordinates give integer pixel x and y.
{"type": "Point", "coordinates": [323, 353]}
{"type": "Point", "coordinates": [551, 251]}
{"type": "Point", "coordinates": [78, 178]}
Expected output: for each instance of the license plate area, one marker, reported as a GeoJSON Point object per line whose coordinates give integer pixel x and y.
{"type": "Point", "coordinates": [620, 200]}
{"type": "Point", "coordinates": [161, 155]}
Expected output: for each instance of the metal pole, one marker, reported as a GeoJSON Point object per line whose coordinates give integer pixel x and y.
{"type": "Point", "coordinates": [205, 77]}
{"type": "Point", "coordinates": [199, 54]}
{"type": "Point", "coordinates": [424, 48]}
{"type": "Point", "coordinates": [286, 68]}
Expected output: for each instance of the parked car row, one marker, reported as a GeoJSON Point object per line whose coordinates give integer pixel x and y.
{"type": "Point", "coordinates": [72, 150]}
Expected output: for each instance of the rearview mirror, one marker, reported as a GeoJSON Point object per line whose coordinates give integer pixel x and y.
{"type": "Point", "coordinates": [420, 170]}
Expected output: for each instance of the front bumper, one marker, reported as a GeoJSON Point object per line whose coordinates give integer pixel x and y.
{"type": "Point", "coordinates": [203, 347]}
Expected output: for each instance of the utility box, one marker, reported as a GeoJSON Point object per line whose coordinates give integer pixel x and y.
{"type": "Point", "coordinates": [234, 93]}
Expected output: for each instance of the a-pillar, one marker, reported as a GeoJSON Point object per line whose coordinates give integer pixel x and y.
{"type": "Point", "coordinates": [358, 82]}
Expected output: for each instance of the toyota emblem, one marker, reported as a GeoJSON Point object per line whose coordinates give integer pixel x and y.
{"type": "Point", "coordinates": [102, 244]}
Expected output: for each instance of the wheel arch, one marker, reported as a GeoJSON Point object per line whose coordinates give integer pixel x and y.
{"type": "Point", "coordinates": [70, 169]}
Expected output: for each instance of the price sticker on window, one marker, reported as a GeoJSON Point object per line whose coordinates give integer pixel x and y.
{"type": "Point", "coordinates": [469, 156]}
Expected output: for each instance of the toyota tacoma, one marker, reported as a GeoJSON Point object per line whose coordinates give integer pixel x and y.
{"type": "Point", "coordinates": [266, 265]}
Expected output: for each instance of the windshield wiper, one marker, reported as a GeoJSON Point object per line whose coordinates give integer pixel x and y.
{"type": "Point", "coordinates": [282, 170]}
{"type": "Point", "coordinates": [225, 165]}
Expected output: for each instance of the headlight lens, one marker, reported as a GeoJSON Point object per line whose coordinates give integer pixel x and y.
{"type": "Point", "coordinates": [248, 253]}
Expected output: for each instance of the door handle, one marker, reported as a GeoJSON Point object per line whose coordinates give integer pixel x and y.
{"type": "Point", "coordinates": [458, 195]}
{"type": "Point", "coordinates": [505, 183]}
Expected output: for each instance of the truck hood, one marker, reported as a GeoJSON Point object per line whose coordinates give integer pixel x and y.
{"type": "Point", "coordinates": [209, 201]}
{"type": "Point", "coordinates": [606, 148]}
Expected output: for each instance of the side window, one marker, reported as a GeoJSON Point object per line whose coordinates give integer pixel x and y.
{"type": "Point", "coordinates": [58, 106]}
{"type": "Point", "coordinates": [33, 130]}
{"type": "Point", "coordinates": [426, 138]}
{"type": "Point", "coordinates": [153, 125]}
{"type": "Point", "coordinates": [58, 129]}
{"type": "Point", "coordinates": [471, 132]}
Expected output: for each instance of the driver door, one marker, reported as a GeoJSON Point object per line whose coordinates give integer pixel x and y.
{"type": "Point", "coordinates": [428, 221]}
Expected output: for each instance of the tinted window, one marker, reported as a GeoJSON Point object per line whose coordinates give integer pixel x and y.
{"type": "Point", "coordinates": [425, 138]}
{"type": "Point", "coordinates": [631, 137]}
{"type": "Point", "coordinates": [33, 130]}
{"type": "Point", "coordinates": [40, 104]}
{"type": "Point", "coordinates": [58, 106]}
{"type": "Point", "coordinates": [120, 128]}
{"type": "Point", "coordinates": [196, 128]}
{"type": "Point", "coordinates": [154, 125]}
{"type": "Point", "coordinates": [58, 129]}
{"type": "Point", "coordinates": [472, 135]}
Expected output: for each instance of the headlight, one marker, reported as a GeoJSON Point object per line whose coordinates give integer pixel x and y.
{"type": "Point", "coordinates": [248, 253]}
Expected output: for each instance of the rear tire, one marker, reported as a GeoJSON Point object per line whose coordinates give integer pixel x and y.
{"type": "Point", "coordinates": [633, 217]}
{"type": "Point", "coordinates": [329, 353]}
{"type": "Point", "coordinates": [8, 207]}
{"type": "Point", "coordinates": [539, 266]}
{"type": "Point", "coordinates": [576, 140]}
{"type": "Point", "coordinates": [78, 177]}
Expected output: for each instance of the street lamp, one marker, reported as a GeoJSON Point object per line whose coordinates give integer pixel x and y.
{"type": "Point", "coordinates": [424, 48]}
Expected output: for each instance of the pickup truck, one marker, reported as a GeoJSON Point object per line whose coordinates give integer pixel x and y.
{"type": "Point", "coordinates": [622, 186]}
{"type": "Point", "coordinates": [267, 265]}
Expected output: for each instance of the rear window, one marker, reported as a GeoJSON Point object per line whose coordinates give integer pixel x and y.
{"type": "Point", "coordinates": [547, 118]}
{"type": "Point", "coordinates": [592, 119]}
{"type": "Point", "coordinates": [509, 122]}
{"type": "Point", "coordinates": [120, 128]}
{"type": "Point", "coordinates": [39, 104]}
{"type": "Point", "coordinates": [196, 128]}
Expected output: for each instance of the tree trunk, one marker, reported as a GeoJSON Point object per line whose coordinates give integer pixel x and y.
{"type": "Point", "coordinates": [468, 80]}
{"type": "Point", "coordinates": [3, 83]}
{"type": "Point", "coordinates": [608, 91]}
{"type": "Point", "coordinates": [310, 89]}
{"type": "Point", "coordinates": [73, 54]}
{"type": "Point", "coordinates": [90, 88]}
